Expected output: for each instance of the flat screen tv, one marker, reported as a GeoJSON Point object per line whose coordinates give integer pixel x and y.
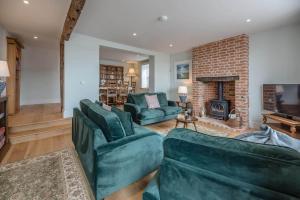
{"type": "Point", "coordinates": [283, 99]}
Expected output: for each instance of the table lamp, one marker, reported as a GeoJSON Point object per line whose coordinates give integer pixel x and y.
{"type": "Point", "coordinates": [4, 72]}
{"type": "Point", "coordinates": [182, 91]}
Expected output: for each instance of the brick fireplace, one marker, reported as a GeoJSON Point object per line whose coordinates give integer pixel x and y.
{"type": "Point", "coordinates": [223, 61]}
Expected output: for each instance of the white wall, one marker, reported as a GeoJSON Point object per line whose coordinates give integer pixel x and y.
{"type": "Point", "coordinates": [3, 43]}
{"type": "Point", "coordinates": [179, 57]}
{"type": "Point", "coordinates": [82, 68]}
{"type": "Point", "coordinates": [40, 75]}
{"type": "Point", "coordinates": [274, 57]}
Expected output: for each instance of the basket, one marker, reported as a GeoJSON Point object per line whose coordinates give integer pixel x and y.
{"type": "Point", "coordinates": [235, 119]}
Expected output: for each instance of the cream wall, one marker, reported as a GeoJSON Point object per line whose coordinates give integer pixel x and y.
{"type": "Point", "coordinates": [40, 75]}
{"type": "Point", "coordinates": [175, 58]}
{"type": "Point", "coordinates": [82, 69]}
{"type": "Point", "coordinates": [3, 43]}
{"type": "Point", "coordinates": [274, 57]}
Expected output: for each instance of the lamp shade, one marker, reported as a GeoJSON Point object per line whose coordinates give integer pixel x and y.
{"type": "Point", "coordinates": [131, 72]}
{"type": "Point", "coordinates": [4, 72]}
{"type": "Point", "coordinates": [182, 90]}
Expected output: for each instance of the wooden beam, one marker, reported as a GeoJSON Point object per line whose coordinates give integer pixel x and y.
{"type": "Point", "coordinates": [72, 18]}
{"type": "Point", "coordinates": [70, 22]}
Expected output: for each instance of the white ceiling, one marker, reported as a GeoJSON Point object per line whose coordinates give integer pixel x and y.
{"type": "Point", "coordinates": [191, 22]}
{"type": "Point", "coordinates": [44, 18]}
{"type": "Point", "coordinates": [112, 54]}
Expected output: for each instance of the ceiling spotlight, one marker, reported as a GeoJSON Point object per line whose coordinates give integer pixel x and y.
{"type": "Point", "coordinates": [163, 18]}
{"type": "Point", "coordinates": [26, 1]}
{"type": "Point", "coordinates": [171, 45]}
{"type": "Point", "coordinates": [134, 34]}
{"type": "Point", "coordinates": [35, 37]}
{"type": "Point", "coordinates": [248, 20]}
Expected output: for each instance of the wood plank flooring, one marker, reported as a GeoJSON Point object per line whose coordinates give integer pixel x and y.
{"type": "Point", "coordinates": [30, 114]}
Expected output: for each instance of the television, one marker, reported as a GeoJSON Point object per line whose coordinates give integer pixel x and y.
{"type": "Point", "coordinates": [283, 99]}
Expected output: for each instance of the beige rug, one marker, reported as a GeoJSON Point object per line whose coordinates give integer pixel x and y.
{"type": "Point", "coordinates": [213, 129]}
{"type": "Point", "coordinates": [52, 176]}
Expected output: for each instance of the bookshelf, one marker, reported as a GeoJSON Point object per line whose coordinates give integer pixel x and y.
{"type": "Point", "coordinates": [3, 127]}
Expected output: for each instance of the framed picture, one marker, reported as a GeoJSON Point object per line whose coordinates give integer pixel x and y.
{"type": "Point", "coordinates": [183, 70]}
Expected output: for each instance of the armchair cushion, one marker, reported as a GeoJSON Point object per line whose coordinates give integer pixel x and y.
{"type": "Point", "coordinates": [84, 105]}
{"type": "Point", "coordinates": [170, 110]}
{"type": "Point", "coordinates": [150, 113]}
{"type": "Point", "coordinates": [126, 120]}
{"type": "Point", "coordinates": [108, 121]}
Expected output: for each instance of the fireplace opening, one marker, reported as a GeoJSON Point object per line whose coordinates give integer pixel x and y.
{"type": "Point", "coordinates": [219, 108]}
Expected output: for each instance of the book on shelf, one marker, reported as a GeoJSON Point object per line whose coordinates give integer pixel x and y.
{"type": "Point", "coordinates": [2, 115]}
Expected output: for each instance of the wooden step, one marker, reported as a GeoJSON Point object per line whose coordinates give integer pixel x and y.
{"type": "Point", "coordinates": [40, 125]}
{"type": "Point", "coordinates": [39, 133]}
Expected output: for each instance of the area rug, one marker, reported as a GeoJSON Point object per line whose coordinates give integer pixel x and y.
{"type": "Point", "coordinates": [56, 176]}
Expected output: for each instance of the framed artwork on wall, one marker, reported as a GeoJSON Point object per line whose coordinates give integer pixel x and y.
{"type": "Point", "coordinates": [183, 70]}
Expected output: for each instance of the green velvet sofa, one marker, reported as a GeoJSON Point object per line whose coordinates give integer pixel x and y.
{"type": "Point", "coordinates": [111, 163]}
{"type": "Point", "coordinates": [202, 167]}
{"type": "Point", "coordinates": [137, 106]}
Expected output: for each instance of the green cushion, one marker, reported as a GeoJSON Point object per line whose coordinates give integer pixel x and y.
{"type": "Point", "coordinates": [84, 105]}
{"type": "Point", "coordinates": [139, 99]}
{"type": "Point", "coordinates": [162, 98]}
{"type": "Point", "coordinates": [126, 120]}
{"type": "Point", "coordinates": [170, 110]}
{"type": "Point", "coordinates": [150, 113]}
{"type": "Point", "coordinates": [108, 121]}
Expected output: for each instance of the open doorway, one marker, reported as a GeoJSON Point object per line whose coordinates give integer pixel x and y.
{"type": "Point", "coordinates": [122, 72]}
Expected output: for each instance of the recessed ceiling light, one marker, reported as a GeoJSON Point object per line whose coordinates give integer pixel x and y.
{"type": "Point", "coordinates": [248, 20]}
{"type": "Point", "coordinates": [26, 2]}
{"type": "Point", "coordinates": [163, 18]}
{"type": "Point", "coordinates": [171, 45]}
{"type": "Point", "coordinates": [35, 37]}
{"type": "Point", "coordinates": [134, 34]}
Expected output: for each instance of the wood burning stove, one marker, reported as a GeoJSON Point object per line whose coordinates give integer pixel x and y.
{"type": "Point", "coordinates": [219, 108]}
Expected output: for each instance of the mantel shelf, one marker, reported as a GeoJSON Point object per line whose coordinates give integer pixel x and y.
{"type": "Point", "coordinates": [218, 78]}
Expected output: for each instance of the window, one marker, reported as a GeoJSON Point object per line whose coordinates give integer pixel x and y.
{"type": "Point", "coordinates": [145, 76]}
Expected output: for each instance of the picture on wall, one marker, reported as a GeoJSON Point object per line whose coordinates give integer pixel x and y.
{"type": "Point", "coordinates": [183, 71]}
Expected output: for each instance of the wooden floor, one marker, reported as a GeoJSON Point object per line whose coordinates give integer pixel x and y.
{"type": "Point", "coordinates": [31, 114]}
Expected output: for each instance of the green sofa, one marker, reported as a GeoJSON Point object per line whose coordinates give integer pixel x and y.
{"type": "Point", "coordinates": [202, 167]}
{"type": "Point", "coordinates": [111, 160]}
{"type": "Point", "coordinates": [137, 106]}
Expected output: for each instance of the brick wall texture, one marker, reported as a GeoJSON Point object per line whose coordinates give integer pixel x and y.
{"type": "Point", "coordinates": [228, 57]}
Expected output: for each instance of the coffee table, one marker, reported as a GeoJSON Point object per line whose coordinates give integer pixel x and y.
{"type": "Point", "coordinates": [186, 121]}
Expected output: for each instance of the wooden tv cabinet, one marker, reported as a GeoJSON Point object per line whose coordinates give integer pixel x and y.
{"type": "Point", "coordinates": [291, 123]}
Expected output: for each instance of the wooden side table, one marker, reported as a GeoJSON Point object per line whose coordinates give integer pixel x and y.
{"type": "Point", "coordinates": [186, 121]}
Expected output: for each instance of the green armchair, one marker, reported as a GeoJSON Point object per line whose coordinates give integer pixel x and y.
{"type": "Point", "coordinates": [112, 163]}
{"type": "Point", "coordinates": [137, 106]}
{"type": "Point", "coordinates": [203, 167]}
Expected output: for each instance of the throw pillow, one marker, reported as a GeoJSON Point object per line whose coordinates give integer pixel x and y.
{"type": "Point", "coordinates": [106, 107]}
{"type": "Point", "coordinates": [126, 120]}
{"type": "Point", "coordinates": [152, 101]}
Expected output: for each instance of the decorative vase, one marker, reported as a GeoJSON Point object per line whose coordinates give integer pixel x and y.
{"type": "Point", "coordinates": [182, 99]}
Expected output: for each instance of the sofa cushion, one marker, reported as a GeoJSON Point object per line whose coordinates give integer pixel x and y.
{"type": "Point", "coordinates": [108, 121]}
{"type": "Point", "coordinates": [139, 99]}
{"type": "Point", "coordinates": [84, 105]}
{"type": "Point", "coordinates": [162, 98]}
{"type": "Point", "coordinates": [152, 101]}
{"type": "Point", "coordinates": [150, 113]}
{"type": "Point", "coordinates": [126, 120]}
{"type": "Point", "coordinates": [170, 110]}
